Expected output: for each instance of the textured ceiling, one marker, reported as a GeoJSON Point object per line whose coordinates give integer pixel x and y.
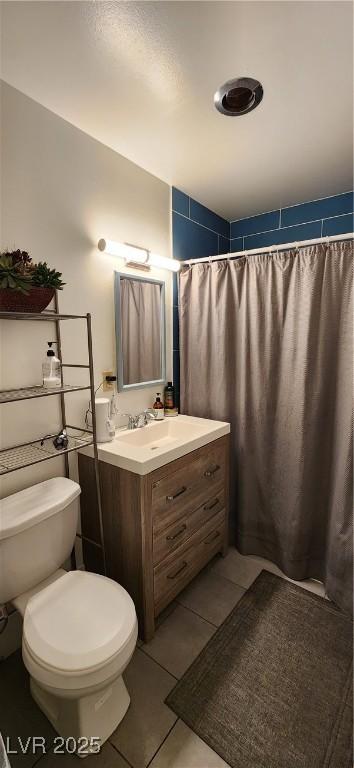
{"type": "Point", "coordinates": [140, 77]}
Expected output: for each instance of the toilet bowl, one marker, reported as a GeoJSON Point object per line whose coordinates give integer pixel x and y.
{"type": "Point", "coordinates": [79, 634]}
{"type": "Point", "coordinates": [79, 629]}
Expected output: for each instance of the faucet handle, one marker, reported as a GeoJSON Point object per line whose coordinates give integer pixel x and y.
{"type": "Point", "coordinates": [143, 418]}
{"type": "Point", "coordinates": [140, 420]}
{"type": "Point", "coordinates": [149, 414]}
{"type": "Point", "coordinates": [131, 420]}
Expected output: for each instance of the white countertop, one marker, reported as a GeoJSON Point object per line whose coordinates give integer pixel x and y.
{"type": "Point", "coordinates": [160, 442]}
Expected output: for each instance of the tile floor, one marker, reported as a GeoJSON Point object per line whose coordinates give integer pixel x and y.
{"type": "Point", "coordinates": [150, 734]}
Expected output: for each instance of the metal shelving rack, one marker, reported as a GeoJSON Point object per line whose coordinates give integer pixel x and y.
{"type": "Point", "coordinates": [42, 449]}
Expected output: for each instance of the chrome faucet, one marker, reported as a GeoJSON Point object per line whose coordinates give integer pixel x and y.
{"type": "Point", "coordinates": [131, 420]}
{"type": "Point", "coordinates": [141, 419]}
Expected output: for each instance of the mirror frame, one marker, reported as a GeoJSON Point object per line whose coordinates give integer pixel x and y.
{"type": "Point", "coordinates": [118, 276]}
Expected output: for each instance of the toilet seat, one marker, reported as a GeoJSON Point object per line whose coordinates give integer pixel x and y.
{"type": "Point", "coordinates": [79, 631]}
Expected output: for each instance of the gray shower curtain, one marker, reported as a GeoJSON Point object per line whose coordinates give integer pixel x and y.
{"type": "Point", "coordinates": [266, 343]}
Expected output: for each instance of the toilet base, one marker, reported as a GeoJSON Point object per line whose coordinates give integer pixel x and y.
{"type": "Point", "coordinates": [92, 716]}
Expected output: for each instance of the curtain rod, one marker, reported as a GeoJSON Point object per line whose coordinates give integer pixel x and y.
{"type": "Point", "coordinates": [271, 248]}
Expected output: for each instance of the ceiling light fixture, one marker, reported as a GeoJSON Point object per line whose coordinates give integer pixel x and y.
{"type": "Point", "coordinates": [238, 96]}
{"type": "Point", "coordinates": [132, 253]}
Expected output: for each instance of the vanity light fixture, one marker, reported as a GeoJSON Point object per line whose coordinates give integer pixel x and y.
{"type": "Point", "coordinates": [132, 253]}
{"type": "Point", "coordinates": [124, 251]}
{"type": "Point", "coordinates": [162, 262]}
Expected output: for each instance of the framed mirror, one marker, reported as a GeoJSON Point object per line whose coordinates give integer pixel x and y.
{"type": "Point", "coordinates": [140, 331]}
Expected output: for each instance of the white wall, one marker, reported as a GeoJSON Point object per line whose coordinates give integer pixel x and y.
{"type": "Point", "coordinates": [61, 192]}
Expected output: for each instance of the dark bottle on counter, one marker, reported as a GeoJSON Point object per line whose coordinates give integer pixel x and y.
{"type": "Point", "coordinates": [158, 408]}
{"type": "Point", "coordinates": [169, 395]}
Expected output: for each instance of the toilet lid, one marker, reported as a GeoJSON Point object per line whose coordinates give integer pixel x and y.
{"type": "Point", "coordinates": [78, 622]}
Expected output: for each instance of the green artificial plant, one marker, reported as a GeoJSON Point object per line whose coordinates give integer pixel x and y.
{"type": "Point", "coordinates": [19, 273]}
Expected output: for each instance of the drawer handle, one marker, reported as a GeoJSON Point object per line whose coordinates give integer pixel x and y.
{"type": "Point", "coordinates": [211, 506]}
{"type": "Point", "coordinates": [175, 535]}
{"type": "Point", "coordinates": [214, 536]}
{"type": "Point", "coordinates": [174, 575]}
{"type": "Point", "coordinates": [211, 472]}
{"type": "Point", "coordinates": [178, 493]}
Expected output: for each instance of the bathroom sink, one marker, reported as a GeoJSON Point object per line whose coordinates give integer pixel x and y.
{"type": "Point", "coordinates": [163, 433]}
{"type": "Point", "coordinates": [145, 449]}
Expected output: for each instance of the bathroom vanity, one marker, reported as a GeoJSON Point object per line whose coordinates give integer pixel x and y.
{"type": "Point", "coordinates": [164, 492]}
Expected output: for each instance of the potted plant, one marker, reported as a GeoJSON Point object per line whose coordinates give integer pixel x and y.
{"type": "Point", "coordinates": [26, 286]}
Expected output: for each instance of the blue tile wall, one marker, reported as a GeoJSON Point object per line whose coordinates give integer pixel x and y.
{"type": "Point", "coordinates": [286, 235]}
{"type": "Point", "coordinates": [196, 232]}
{"type": "Point", "coordinates": [224, 244]}
{"type": "Point", "coordinates": [318, 209]}
{"type": "Point", "coordinates": [339, 225]}
{"type": "Point", "coordinates": [180, 202]}
{"type": "Point", "coordinates": [190, 240]}
{"type": "Point", "coordinates": [254, 224]}
{"type": "Point", "coordinates": [175, 330]}
{"type": "Point", "coordinates": [236, 244]}
{"type": "Point", "coordinates": [199, 232]}
{"type": "Point", "coordinates": [328, 216]}
{"type": "Point", "coordinates": [207, 218]}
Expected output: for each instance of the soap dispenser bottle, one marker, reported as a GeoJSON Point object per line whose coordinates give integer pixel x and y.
{"type": "Point", "coordinates": [51, 369]}
{"type": "Point", "coordinates": [159, 411]}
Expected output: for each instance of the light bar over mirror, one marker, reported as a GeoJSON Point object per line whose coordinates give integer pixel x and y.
{"type": "Point", "coordinates": [132, 253]}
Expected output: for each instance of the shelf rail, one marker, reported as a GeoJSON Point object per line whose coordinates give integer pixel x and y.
{"type": "Point", "coordinates": [27, 393]}
{"type": "Point", "coordinates": [42, 449]}
{"type": "Point", "coordinates": [51, 316]}
{"type": "Point", "coordinates": [35, 451]}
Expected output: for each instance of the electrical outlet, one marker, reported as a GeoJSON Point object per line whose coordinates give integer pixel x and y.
{"type": "Point", "coordinates": [107, 386]}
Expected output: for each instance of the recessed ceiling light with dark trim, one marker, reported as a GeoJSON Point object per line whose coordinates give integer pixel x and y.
{"type": "Point", "coordinates": [238, 96]}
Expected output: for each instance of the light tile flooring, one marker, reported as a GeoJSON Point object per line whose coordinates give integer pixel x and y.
{"type": "Point", "coordinates": [150, 734]}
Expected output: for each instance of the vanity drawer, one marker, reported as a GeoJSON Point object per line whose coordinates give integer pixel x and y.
{"type": "Point", "coordinates": [174, 495]}
{"type": "Point", "coordinates": [172, 575]}
{"type": "Point", "coordinates": [169, 539]}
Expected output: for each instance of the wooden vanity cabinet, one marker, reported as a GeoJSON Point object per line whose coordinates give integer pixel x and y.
{"type": "Point", "coordinates": [160, 529]}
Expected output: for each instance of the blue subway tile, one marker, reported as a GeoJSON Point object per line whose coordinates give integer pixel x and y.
{"type": "Point", "coordinates": [190, 241]}
{"type": "Point", "coordinates": [177, 398]}
{"type": "Point", "coordinates": [177, 394]}
{"type": "Point", "coordinates": [254, 224]}
{"type": "Point", "coordinates": [236, 244]}
{"type": "Point", "coordinates": [317, 209]}
{"type": "Point", "coordinates": [224, 244]}
{"type": "Point", "coordinates": [339, 225]}
{"type": "Point", "coordinates": [203, 215]}
{"type": "Point", "coordinates": [175, 329]}
{"type": "Point", "coordinates": [287, 235]}
{"type": "Point", "coordinates": [180, 202]}
{"type": "Point", "coordinates": [176, 369]}
{"type": "Point", "coordinates": [175, 279]}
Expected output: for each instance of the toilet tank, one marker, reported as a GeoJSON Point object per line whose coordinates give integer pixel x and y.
{"type": "Point", "coordinates": [37, 533]}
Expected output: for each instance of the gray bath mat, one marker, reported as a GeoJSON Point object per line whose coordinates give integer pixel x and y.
{"type": "Point", "coordinates": [272, 689]}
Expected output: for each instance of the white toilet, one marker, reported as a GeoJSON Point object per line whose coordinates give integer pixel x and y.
{"type": "Point", "coordinates": [79, 629]}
